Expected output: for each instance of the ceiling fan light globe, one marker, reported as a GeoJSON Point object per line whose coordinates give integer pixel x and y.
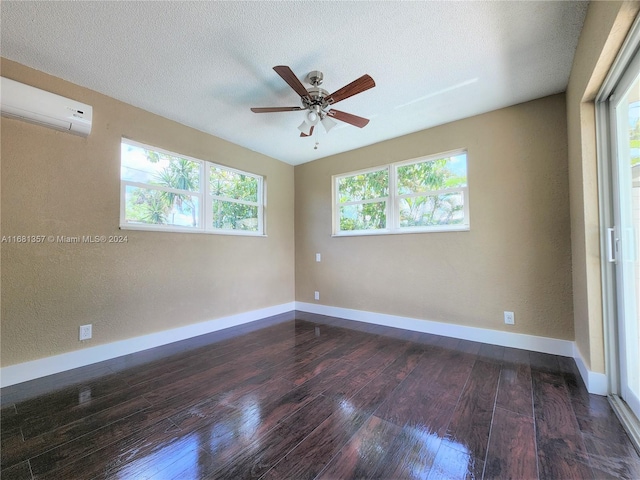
{"type": "Point", "coordinates": [312, 117]}
{"type": "Point", "coordinates": [305, 128]}
{"type": "Point", "coordinates": [328, 124]}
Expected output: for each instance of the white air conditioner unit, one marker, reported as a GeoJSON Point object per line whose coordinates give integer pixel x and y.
{"type": "Point", "coordinates": [33, 105]}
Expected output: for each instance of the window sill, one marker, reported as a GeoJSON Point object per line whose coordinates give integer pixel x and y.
{"type": "Point", "coordinates": [366, 233]}
{"type": "Point", "coordinates": [149, 228]}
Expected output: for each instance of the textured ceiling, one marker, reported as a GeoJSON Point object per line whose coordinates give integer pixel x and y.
{"type": "Point", "coordinates": [204, 64]}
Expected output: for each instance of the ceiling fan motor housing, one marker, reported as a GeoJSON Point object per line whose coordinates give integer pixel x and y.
{"type": "Point", "coordinates": [316, 97]}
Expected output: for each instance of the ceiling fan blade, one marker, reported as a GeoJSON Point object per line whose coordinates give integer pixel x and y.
{"type": "Point", "coordinates": [348, 118]}
{"type": "Point", "coordinates": [310, 132]}
{"type": "Point", "coordinates": [363, 83]}
{"type": "Point", "coordinates": [288, 76]}
{"type": "Point", "coordinates": [275, 109]}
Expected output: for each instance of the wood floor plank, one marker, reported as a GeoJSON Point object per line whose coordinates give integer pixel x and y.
{"type": "Point", "coordinates": [410, 455]}
{"type": "Point", "coordinates": [359, 376]}
{"type": "Point", "coordinates": [9, 416]}
{"type": "Point", "coordinates": [561, 450]}
{"type": "Point", "coordinates": [195, 464]}
{"type": "Point", "coordinates": [404, 364]}
{"type": "Point", "coordinates": [19, 451]}
{"type": "Point", "coordinates": [374, 393]}
{"type": "Point", "coordinates": [11, 447]}
{"type": "Point", "coordinates": [19, 471]}
{"type": "Point", "coordinates": [298, 372]}
{"type": "Point", "coordinates": [614, 458]}
{"type": "Point", "coordinates": [265, 451]}
{"type": "Point", "coordinates": [512, 447]}
{"type": "Point", "coordinates": [130, 400]}
{"type": "Point", "coordinates": [516, 356]}
{"type": "Point", "coordinates": [45, 386]}
{"type": "Point", "coordinates": [491, 353]}
{"type": "Point", "coordinates": [544, 362]}
{"type": "Point", "coordinates": [98, 454]}
{"type": "Point", "coordinates": [428, 395]}
{"type": "Point", "coordinates": [453, 464]}
{"type": "Point", "coordinates": [515, 390]}
{"type": "Point", "coordinates": [471, 422]}
{"type": "Point", "coordinates": [362, 455]}
{"type": "Point", "coordinates": [312, 454]}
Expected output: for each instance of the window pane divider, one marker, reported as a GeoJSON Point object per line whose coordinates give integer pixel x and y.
{"type": "Point", "coordinates": [432, 193]}
{"type": "Point", "coordinates": [151, 186]}
{"type": "Point", "coordinates": [363, 202]}
{"type": "Point", "coordinates": [235, 200]}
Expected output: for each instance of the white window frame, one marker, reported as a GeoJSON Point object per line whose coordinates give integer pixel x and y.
{"type": "Point", "coordinates": [393, 200]}
{"type": "Point", "coordinates": [337, 204]}
{"type": "Point", "coordinates": [205, 198]}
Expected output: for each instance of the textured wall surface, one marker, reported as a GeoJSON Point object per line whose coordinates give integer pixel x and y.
{"type": "Point", "coordinates": [54, 183]}
{"type": "Point", "coordinates": [605, 28]}
{"type": "Point", "coordinates": [517, 255]}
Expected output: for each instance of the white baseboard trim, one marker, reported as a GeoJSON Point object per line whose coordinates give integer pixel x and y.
{"type": "Point", "coordinates": [483, 335]}
{"type": "Point", "coordinates": [595, 382]}
{"type": "Point", "coordinates": [42, 367]}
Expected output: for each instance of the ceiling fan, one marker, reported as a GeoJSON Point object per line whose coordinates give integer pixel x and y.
{"type": "Point", "coordinates": [316, 100]}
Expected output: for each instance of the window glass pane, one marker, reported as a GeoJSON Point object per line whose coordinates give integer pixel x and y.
{"type": "Point", "coordinates": [235, 216]}
{"type": "Point", "coordinates": [439, 174]}
{"type": "Point", "coordinates": [157, 168]}
{"type": "Point", "coordinates": [225, 183]}
{"type": "Point", "coordinates": [365, 186]}
{"type": "Point", "coordinates": [156, 207]}
{"type": "Point", "coordinates": [424, 211]}
{"type": "Point", "coordinates": [367, 216]}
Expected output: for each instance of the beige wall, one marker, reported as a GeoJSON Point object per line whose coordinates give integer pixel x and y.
{"type": "Point", "coordinates": [515, 257]}
{"type": "Point", "coordinates": [605, 28]}
{"type": "Point", "coordinates": [54, 183]}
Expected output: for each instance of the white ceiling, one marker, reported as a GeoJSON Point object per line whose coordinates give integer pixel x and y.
{"type": "Point", "coordinates": [204, 64]}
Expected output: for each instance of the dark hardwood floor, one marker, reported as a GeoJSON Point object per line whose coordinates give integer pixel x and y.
{"type": "Point", "coordinates": [315, 397]}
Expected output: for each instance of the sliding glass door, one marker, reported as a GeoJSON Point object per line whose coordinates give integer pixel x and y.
{"type": "Point", "coordinates": [624, 115]}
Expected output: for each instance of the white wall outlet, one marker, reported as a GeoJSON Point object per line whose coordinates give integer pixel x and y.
{"type": "Point", "coordinates": [85, 332]}
{"type": "Point", "coordinates": [316, 295]}
{"type": "Point", "coordinates": [509, 318]}
{"type": "Point", "coordinates": [318, 257]}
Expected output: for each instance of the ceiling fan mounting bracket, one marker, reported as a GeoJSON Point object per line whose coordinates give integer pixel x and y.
{"type": "Point", "coordinates": [315, 78]}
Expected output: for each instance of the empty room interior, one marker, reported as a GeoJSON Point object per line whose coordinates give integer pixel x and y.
{"type": "Point", "coordinates": [333, 240]}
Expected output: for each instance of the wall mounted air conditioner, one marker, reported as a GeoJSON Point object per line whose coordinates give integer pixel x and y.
{"type": "Point", "coordinates": [33, 105]}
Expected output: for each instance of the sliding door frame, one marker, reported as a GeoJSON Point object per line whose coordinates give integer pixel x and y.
{"type": "Point", "coordinates": [606, 188]}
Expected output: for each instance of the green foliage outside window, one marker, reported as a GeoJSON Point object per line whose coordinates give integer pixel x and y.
{"type": "Point", "coordinates": [427, 193]}
{"type": "Point", "coordinates": [165, 189]}
{"type": "Point", "coordinates": [161, 207]}
{"type": "Point", "coordinates": [364, 186]}
{"type": "Point", "coordinates": [429, 210]}
{"type": "Point", "coordinates": [228, 215]}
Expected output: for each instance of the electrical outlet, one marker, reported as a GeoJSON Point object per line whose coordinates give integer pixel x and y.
{"type": "Point", "coordinates": [318, 257]}
{"type": "Point", "coordinates": [317, 295]}
{"type": "Point", "coordinates": [85, 332]}
{"type": "Point", "coordinates": [509, 318]}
